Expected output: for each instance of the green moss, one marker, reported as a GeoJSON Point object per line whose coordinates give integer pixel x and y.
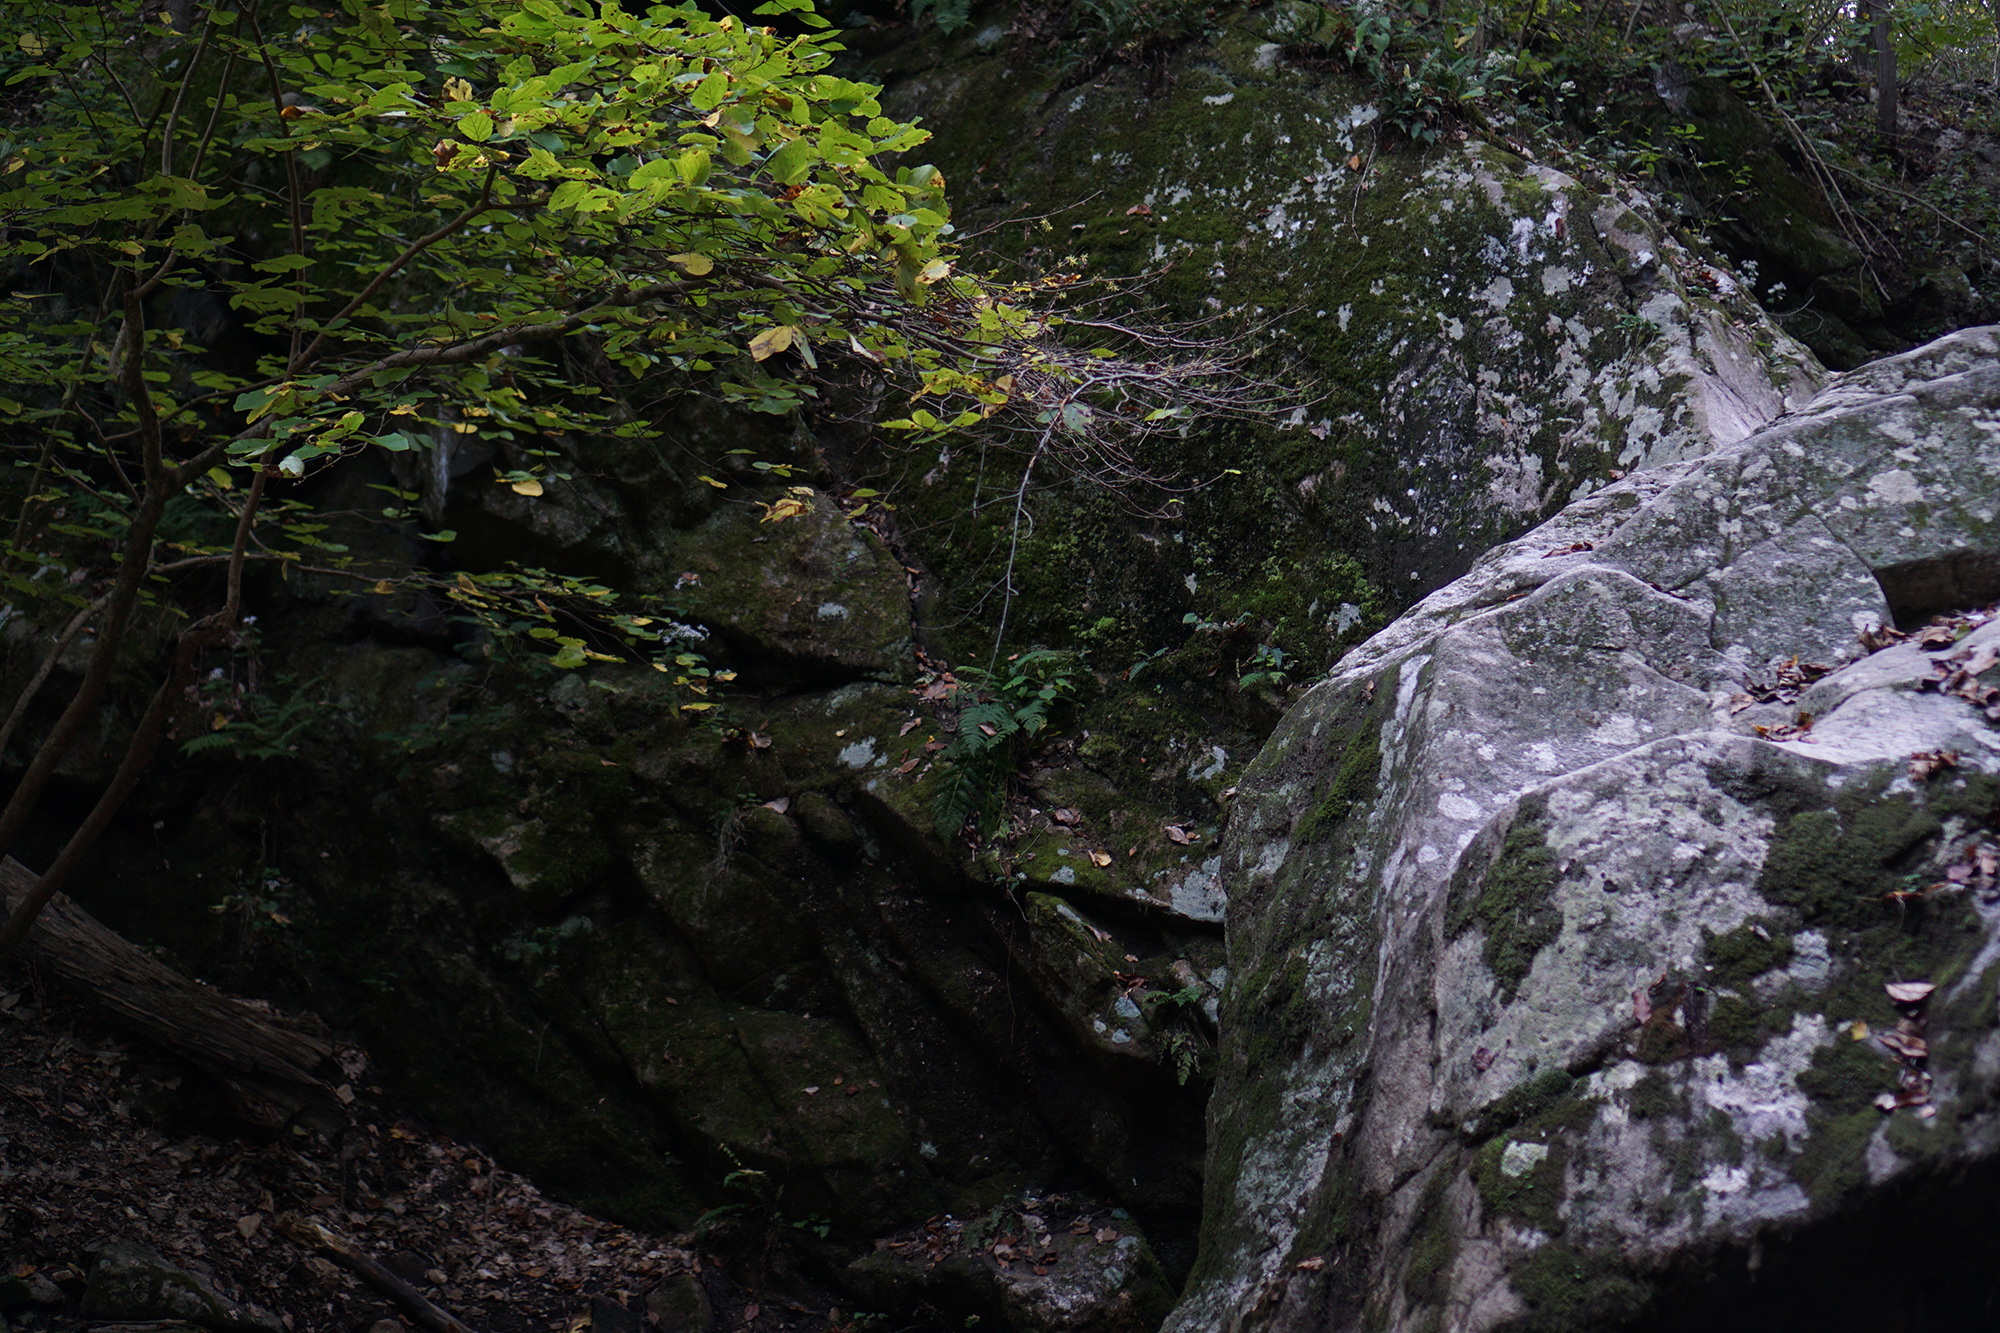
{"type": "Point", "coordinates": [1846, 1075]}
{"type": "Point", "coordinates": [1533, 1195]}
{"type": "Point", "coordinates": [1737, 1026]}
{"type": "Point", "coordinates": [1572, 1291]}
{"type": "Point", "coordinates": [1832, 1164]}
{"type": "Point", "coordinates": [1834, 865]}
{"type": "Point", "coordinates": [1514, 902]}
{"type": "Point", "coordinates": [1356, 781]}
{"type": "Point", "coordinates": [1749, 951]}
{"type": "Point", "coordinates": [1540, 1096]}
{"type": "Point", "coordinates": [1655, 1097]}
{"type": "Point", "coordinates": [1433, 1241]}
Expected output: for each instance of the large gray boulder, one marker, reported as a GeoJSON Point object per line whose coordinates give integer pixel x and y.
{"type": "Point", "coordinates": [1563, 917]}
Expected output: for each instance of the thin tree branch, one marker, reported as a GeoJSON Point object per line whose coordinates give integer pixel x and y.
{"type": "Point", "coordinates": [414, 249]}
{"type": "Point", "coordinates": [34, 685]}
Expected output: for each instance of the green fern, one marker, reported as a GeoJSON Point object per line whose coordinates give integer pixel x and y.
{"type": "Point", "coordinates": [1006, 711]}
{"type": "Point", "coordinates": [950, 15]}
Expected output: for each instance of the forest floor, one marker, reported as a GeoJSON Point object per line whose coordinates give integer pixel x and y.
{"type": "Point", "coordinates": [95, 1145]}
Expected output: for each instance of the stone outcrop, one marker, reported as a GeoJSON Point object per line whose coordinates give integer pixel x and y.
{"type": "Point", "coordinates": [1586, 920]}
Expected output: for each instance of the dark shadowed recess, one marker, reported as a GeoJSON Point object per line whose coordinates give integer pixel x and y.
{"type": "Point", "coordinates": [1921, 1258]}
{"type": "Point", "coordinates": [1920, 589]}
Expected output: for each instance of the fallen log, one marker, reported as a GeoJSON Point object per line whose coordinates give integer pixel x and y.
{"type": "Point", "coordinates": [252, 1052]}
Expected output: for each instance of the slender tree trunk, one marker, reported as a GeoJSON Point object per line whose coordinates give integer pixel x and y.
{"type": "Point", "coordinates": [1885, 66]}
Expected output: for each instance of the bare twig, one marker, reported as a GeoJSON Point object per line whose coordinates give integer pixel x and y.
{"type": "Point", "coordinates": [348, 1255]}
{"type": "Point", "coordinates": [34, 685]}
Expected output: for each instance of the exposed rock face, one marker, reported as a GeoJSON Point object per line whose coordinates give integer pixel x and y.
{"type": "Point", "coordinates": [1485, 336]}
{"type": "Point", "coordinates": [1557, 957]}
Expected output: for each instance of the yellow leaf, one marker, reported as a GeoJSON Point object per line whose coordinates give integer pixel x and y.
{"type": "Point", "coordinates": [795, 505]}
{"type": "Point", "coordinates": [719, 485]}
{"type": "Point", "coordinates": [383, 587]}
{"type": "Point", "coordinates": [219, 723]}
{"type": "Point", "coordinates": [693, 265]}
{"type": "Point", "coordinates": [221, 478]}
{"type": "Point", "coordinates": [457, 90]}
{"type": "Point", "coordinates": [935, 271]}
{"type": "Point", "coordinates": [32, 46]}
{"type": "Point", "coordinates": [528, 487]}
{"type": "Point", "coordinates": [640, 620]}
{"type": "Point", "coordinates": [695, 708]}
{"type": "Point", "coordinates": [772, 341]}
{"type": "Point", "coordinates": [466, 585]}
{"type": "Point", "coordinates": [14, 164]}
{"type": "Point", "coordinates": [1100, 858]}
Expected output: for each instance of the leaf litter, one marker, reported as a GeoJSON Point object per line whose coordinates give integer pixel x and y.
{"type": "Point", "coordinates": [80, 1161]}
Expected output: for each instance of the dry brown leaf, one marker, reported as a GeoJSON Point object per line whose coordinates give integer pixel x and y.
{"type": "Point", "coordinates": [1909, 992]}
{"type": "Point", "coordinates": [909, 726]}
{"type": "Point", "coordinates": [781, 804]}
{"type": "Point", "coordinates": [1312, 1265]}
{"type": "Point", "coordinates": [1907, 1045]}
{"type": "Point", "coordinates": [1100, 859]}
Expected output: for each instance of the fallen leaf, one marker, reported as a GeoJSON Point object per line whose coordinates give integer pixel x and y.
{"type": "Point", "coordinates": [1859, 1031]}
{"type": "Point", "coordinates": [1106, 1235]}
{"type": "Point", "coordinates": [1926, 762]}
{"type": "Point", "coordinates": [1909, 992]}
{"type": "Point", "coordinates": [1312, 1265]}
{"type": "Point", "coordinates": [1571, 549]}
{"type": "Point", "coordinates": [526, 486]}
{"type": "Point", "coordinates": [759, 741]}
{"type": "Point", "coordinates": [246, 1225]}
{"type": "Point", "coordinates": [812, 1090]}
{"type": "Point", "coordinates": [987, 728]}
{"type": "Point", "coordinates": [1100, 859]}
{"type": "Point", "coordinates": [909, 766]}
{"type": "Point", "coordinates": [1180, 833]}
{"type": "Point", "coordinates": [1354, 163]}
{"type": "Point", "coordinates": [1907, 1045]}
{"type": "Point", "coordinates": [1068, 816]}
{"type": "Point", "coordinates": [779, 804]}
{"type": "Point", "coordinates": [1138, 211]}
{"type": "Point", "coordinates": [909, 726]}
{"type": "Point", "coordinates": [750, 1312]}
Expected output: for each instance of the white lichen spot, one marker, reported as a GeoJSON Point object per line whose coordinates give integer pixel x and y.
{"type": "Point", "coordinates": [1520, 1158]}
{"type": "Point", "coordinates": [1218, 760]}
{"type": "Point", "coordinates": [1895, 486]}
{"type": "Point", "coordinates": [859, 754]}
{"type": "Point", "coordinates": [1220, 99]}
{"type": "Point", "coordinates": [1453, 806]}
{"type": "Point", "coordinates": [831, 611]}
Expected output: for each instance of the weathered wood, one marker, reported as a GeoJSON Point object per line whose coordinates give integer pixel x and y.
{"type": "Point", "coordinates": [142, 995]}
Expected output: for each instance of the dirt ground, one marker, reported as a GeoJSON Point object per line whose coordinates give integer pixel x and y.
{"type": "Point", "coordinates": [103, 1138]}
